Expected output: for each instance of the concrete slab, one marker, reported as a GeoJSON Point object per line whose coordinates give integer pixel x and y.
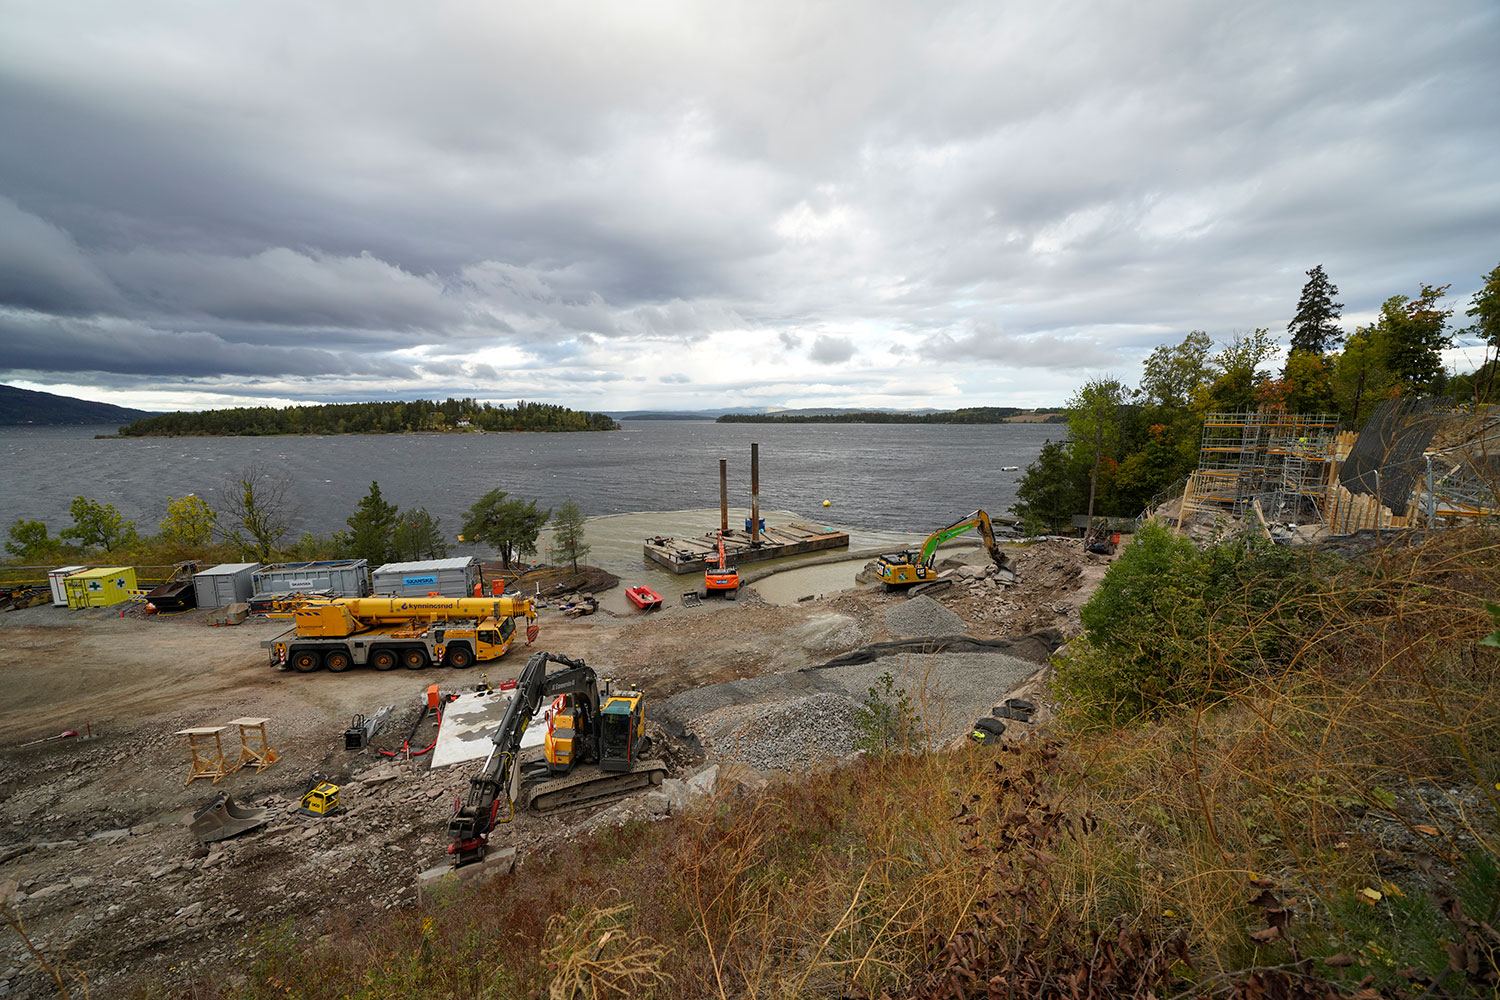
{"type": "Point", "coordinates": [470, 720]}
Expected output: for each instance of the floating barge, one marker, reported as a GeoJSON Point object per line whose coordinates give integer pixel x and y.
{"type": "Point", "coordinates": [688, 555]}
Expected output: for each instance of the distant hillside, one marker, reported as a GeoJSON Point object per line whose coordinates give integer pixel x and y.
{"type": "Point", "coordinates": [968, 415]}
{"type": "Point", "coordinates": [23, 406]}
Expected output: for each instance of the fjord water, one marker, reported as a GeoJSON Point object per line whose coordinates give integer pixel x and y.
{"type": "Point", "coordinates": [887, 484]}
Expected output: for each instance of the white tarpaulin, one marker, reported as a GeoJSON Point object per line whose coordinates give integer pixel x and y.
{"type": "Point", "coordinates": [470, 720]}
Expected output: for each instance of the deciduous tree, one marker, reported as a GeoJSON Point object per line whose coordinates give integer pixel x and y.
{"type": "Point", "coordinates": [1095, 425]}
{"type": "Point", "coordinates": [256, 510]}
{"type": "Point", "coordinates": [189, 521]}
{"type": "Point", "coordinates": [96, 523]}
{"type": "Point", "coordinates": [1415, 332]}
{"type": "Point", "coordinates": [29, 540]}
{"type": "Point", "coordinates": [1485, 311]}
{"type": "Point", "coordinates": [1174, 376]}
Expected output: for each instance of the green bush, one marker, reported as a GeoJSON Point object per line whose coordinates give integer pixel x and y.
{"type": "Point", "coordinates": [1171, 623]}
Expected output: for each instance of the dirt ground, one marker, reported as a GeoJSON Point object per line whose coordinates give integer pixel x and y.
{"type": "Point", "coordinates": [94, 831]}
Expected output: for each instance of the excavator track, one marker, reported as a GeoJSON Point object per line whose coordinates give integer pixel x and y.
{"type": "Point", "coordinates": [590, 783]}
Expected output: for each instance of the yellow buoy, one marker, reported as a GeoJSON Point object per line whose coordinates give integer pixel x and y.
{"type": "Point", "coordinates": [827, 503]}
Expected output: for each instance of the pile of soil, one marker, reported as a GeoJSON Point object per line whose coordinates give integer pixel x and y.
{"type": "Point", "coordinates": [553, 580]}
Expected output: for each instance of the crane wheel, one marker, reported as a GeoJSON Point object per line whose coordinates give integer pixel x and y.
{"type": "Point", "coordinates": [337, 661]}
{"type": "Point", "coordinates": [383, 659]}
{"type": "Point", "coordinates": [305, 661]}
{"type": "Point", "coordinates": [460, 657]}
{"type": "Point", "coordinates": [413, 659]}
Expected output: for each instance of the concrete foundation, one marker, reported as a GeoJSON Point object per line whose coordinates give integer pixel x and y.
{"type": "Point", "coordinates": [688, 555]}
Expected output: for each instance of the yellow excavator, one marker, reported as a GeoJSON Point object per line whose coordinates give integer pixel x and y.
{"type": "Point", "coordinates": [596, 746]}
{"type": "Point", "coordinates": [903, 569]}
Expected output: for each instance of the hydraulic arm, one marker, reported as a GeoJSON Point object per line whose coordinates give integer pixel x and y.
{"type": "Point", "coordinates": [498, 785]}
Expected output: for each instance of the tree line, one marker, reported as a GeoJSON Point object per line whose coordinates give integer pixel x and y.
{"type": "Point", "coordinates": [1127, 445]}
{"type": "Point", "coordinates": [253, 520]}
{"type": "Point", "coordinates": [966, 415]}
{"type": "Point", "coordinates": [371, 418]}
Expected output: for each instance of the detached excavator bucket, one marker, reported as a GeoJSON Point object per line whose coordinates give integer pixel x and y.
{"type": "Point", "coordinates": [222, 818]}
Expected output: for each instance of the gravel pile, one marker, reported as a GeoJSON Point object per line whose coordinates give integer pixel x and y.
{"type": "Point", "coordinates": [790, 736]}
{"type": "Point", "coordinates": [792, 721]}
{"type": "Point", "coordinates": [922, 616]}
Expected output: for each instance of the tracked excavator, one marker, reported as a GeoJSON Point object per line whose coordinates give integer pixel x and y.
{"type": "Point", "coordinates": [902, 569]}
{"type": "Point", "coordinates": [595, 747]}
{"type": "Point", "coordinates": [344, 632]}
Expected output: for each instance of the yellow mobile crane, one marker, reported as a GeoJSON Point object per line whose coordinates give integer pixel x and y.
{"type": "Point", "coordinates": [343, 632]}
{"type": "Point", "coordinates": [902, 569]}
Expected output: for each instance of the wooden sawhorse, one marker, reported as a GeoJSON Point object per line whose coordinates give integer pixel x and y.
{"type": "Point", "coordinates": [255, 749]}
{"type": "Point", "coordinates": [208, 753]}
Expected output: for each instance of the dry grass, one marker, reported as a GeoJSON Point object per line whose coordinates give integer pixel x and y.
{"type": "Point", "coordinates": [1282, 839]}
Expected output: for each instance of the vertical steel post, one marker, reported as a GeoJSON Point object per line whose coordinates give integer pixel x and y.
{"type": "Point", "coordinates": [754, 494]}
{"type": "Point", "coordinates": [723, 496]}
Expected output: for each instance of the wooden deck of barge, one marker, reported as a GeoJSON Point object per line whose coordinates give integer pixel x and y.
{"type": "Point", "coordinates": [687, 555]}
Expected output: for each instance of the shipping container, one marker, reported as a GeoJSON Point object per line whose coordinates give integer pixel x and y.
{"type": "Point", "coordinates": [99, 588]}
{"type": "Point", "coordinates": [340, 577]}
{"type": "Point", "coordinates": [449, 577]}
{"type": "Point", "coordinates": [55, 581]}
{"type": "Point", "coordinates": [225, 584]}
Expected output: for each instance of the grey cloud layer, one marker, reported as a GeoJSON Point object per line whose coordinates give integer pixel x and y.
{"type": "Point", "coordinates": [1048, 188]}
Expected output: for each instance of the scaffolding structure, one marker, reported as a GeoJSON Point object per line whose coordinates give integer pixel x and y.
{"type": "Point", "coordinates": [1282, 460]}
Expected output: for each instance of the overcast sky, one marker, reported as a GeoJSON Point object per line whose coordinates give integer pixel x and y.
{"type": "Point", "coordinates": [695, 205]}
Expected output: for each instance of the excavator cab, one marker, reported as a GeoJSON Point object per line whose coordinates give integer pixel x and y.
{"type": "Point", "coordinates": [622, 730]}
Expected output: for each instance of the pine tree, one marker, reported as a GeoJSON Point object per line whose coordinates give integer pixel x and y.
{"type": "Point", "coordinates": [371, 528]}
{"type": "Point", "coordinates": [1315, 328]}
{"type": "Point", "coordinates": [567, 534]}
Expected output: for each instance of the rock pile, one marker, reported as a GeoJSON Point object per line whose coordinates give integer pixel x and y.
{"type": "Point", "coordinates": [986, 579]}
{"type": "Point", "coordinates": [922, 616]}
{"type": "Point", "coordinates": [790, 736]}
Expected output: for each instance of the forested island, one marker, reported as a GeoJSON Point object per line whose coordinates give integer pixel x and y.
{"type": "Point", "coordinates": [370, 418]}
{"type": "Point", "coordinates": [967, 415]}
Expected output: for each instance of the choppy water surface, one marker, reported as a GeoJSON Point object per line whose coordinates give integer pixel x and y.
{"type": "Point", "coordinates": [882, 480]}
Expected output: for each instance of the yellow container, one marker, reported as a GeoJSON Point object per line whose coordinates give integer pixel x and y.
{"type": "Point", "coordinates": [98, 588]}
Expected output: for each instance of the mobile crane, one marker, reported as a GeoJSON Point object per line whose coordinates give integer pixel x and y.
{"type": "Point", "coordinates": [902, 569]}
{"type": "Point", "coordinates": [594, 748]}
{"type": "Point", "coordinates": [343, 632]}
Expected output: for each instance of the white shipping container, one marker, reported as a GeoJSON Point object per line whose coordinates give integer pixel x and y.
{"type": "Point", "coordinates": [55, 582]}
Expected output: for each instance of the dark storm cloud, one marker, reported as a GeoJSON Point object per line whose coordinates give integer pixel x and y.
{"type": "Point", "coordinates": [41, 343]}
{"type": "Point", "coordinates": [474, 193]}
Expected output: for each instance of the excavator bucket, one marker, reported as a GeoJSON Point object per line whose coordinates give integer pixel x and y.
{"type": "Point", "coordinates": [222, 817]}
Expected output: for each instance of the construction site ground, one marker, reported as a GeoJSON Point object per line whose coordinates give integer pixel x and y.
{"type": "Point", "coordinates": [95, 831]}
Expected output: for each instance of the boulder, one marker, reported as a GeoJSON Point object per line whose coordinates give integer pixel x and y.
{"type": "Point", "coordinates": [702, 783]}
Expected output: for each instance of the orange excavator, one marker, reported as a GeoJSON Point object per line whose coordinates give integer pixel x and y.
{"type": "Point", "coordinates": [723, 580]}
